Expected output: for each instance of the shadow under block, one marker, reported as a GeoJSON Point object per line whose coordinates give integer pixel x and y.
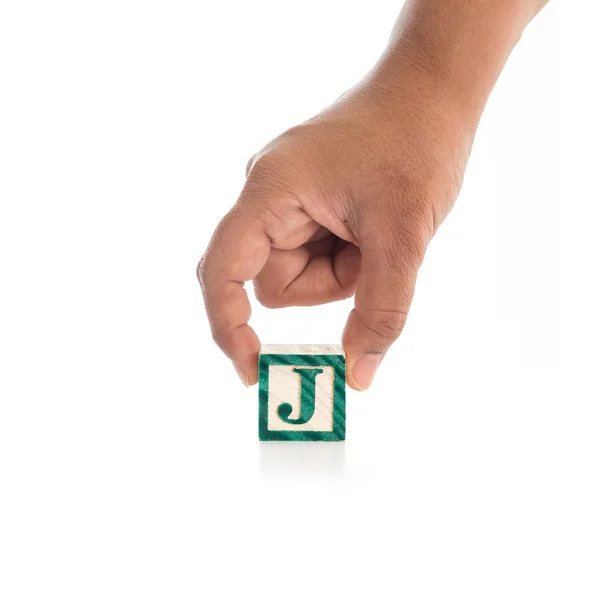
{"type": "Point", "coordinates": [302, 393]}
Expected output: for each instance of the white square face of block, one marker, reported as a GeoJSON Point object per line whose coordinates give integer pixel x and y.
{"type": "Point", "coordinates": [284, 387]}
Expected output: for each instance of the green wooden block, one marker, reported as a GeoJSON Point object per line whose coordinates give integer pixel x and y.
{"type": "Point", "coordinates": [302, 393]}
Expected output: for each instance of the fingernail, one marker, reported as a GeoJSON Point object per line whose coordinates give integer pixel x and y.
{"type": "Point", "coordinates": [241, 374]}
{"type": "Point", "coordinates": [364, 370]}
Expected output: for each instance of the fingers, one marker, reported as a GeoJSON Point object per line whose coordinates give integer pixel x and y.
{"type": "Point", "coordinates": [322, 271]}
{"type": "Point", "coordinates": [268, 216]}
{"type": "Point", "coordinates": [385, 290]}
{"type": "Point", "coordinates": [237, 252]}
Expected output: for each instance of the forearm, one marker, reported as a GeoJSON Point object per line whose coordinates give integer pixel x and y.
{"type": "Point", "coordinates": [458, 46]}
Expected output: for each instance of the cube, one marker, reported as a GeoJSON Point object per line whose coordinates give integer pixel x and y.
{"type": "Point", "coordinates": [302, 393]}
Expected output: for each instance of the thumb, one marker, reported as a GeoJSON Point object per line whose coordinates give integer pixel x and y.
{"type": "Point", "coordinates": [385, 290]}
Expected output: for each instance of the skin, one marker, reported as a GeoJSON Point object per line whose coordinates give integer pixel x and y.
{"type": "Point", "coordinates": [346, 203]}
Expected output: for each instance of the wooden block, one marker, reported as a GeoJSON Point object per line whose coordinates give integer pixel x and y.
{"type": "Point", "coordinates": [302, 392]}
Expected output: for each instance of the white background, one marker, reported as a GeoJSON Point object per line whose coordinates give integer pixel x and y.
{"type": "Point", "coordinates": [129, 459]}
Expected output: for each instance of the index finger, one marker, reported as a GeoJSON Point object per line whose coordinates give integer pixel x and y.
{"type": "Point", "coordinates": [237, 252]}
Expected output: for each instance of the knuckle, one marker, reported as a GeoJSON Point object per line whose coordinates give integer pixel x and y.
{"type": "Point", "coordinates": [407, 207]}
{"type": "Point", "coordinates": [276, 169]}
{"type": "Point", "coordinates": [265, 164]}
{"type": "Point", "coordinates": [205, 270]}
{"type": "Point", "coordinates": [400, 249]}
{"type": "Point", "coordinates": [264, 168]}
{"type": "Point", "coordinates": [201, 270]}
{"type": "Point", "coordinates": [220, 337]}
{"type": "Point", "coordinates": [250, 164]}
{"type": "Point", "coordinates": [410, 240]}
{"type": "Point", "coordinates": [403, 233]}
{"type": "Point", "coordinates": [384, 325]}
{"type": "Point", "coordinates": [269, 180]}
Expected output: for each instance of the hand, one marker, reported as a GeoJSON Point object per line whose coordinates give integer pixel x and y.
{"type": "Point", "coordinates": [343, 204]}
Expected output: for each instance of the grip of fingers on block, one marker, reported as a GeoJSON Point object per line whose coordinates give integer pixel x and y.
{"type": "Point", "coordinates": [302, 393]}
